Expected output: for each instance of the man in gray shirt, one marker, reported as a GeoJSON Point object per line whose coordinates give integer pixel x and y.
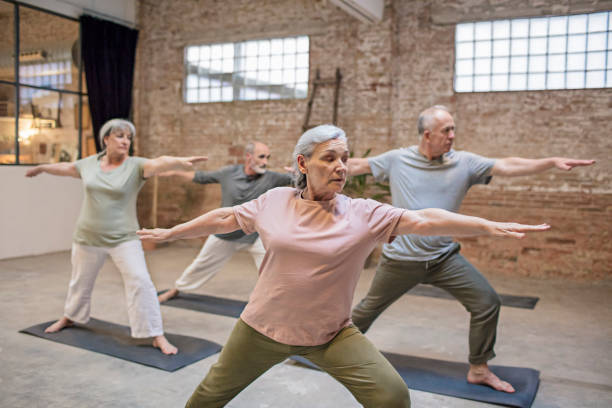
{"type": "Point", "coordinates": [433, 175]}
{"type": "Point", "coordinates": [239, 184]}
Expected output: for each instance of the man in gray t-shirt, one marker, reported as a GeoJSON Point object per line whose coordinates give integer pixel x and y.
{"type": "Point", "coordinates": [432, 175]}
{"type": "Point", "coordinates": [239, 184]}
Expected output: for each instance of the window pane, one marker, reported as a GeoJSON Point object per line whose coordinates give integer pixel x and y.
{"type": "Point", "coordinates": [465, 50]}
{"type": "Point", "coordinates": [215, 94]}
{"type": "Point", "coordinates": [264, 47]}
{"type": "Point", "coordinates": [482, 30]}
{"type": "Point", "coordinates": [482, 66]}
{"type": "Point", "coordinates": [7, 45]}
{"type": "Point", "coordinates": [575, 62]}
{"type": "Point", "coordinates": [596, 60]}
{"type": "Point", "coordinates": [48, 50]}
{"type": "Point", "coordinates": [519, 47]}
{"type": "Point", "coordinates": [595, 79]}
{"type": "Point", "coordinates": [575, 80]}
{"type": "Point", "coordinates": [464, 67]}
{"type": "Point", "coordinates": [558, 25]}
{"type": "Point", "coordinates": [464, 32]}
{"type": "Point", "coordinates": [501, 29]}
{"type": "Point", "coordinates": [482, 48]}
{"type": "Point", "coordinates": [518, 64]}
{"type": "Point", "coordinates": [556, 45]}
{"type": "Point", "coordinates": [598, 22]}
{"type": "Point", "coordinates": [501, 65]}
{"type": "Point", "coordinates": [216, 51]}
{"type": "Point", "coordinates": [609, 78]}
{"type": "Point", "coordinates": [520, 28]}
{"type": "Point", "coordinates": [191, 96]}
{"type": "Point", "coordinates": [537, 82]}
{"type": "Point", "coordinates": [263, 63]}
{"type": "Point", "coordinates": [597, 42]}
{"type": "Point", "coordinates": [609, 62]}
{"type": "Point", "coordinates": [537, 46]}
{"type": "Point", "coordinates": [289, 46]}
{"type": "Point", "coordinates": [228, 51]}
{"type": "Point", "coordinates": [251, 48]}
{"type": "Point", "coordinates": [482, 83]}
{"type": "Point", "coordinates": [538, 27]}
{"type": "Point", "coordinates": [7, 124]}
{"type": "Point", "coordinates": [556, 63]}
{"type": "Point", "coordinates": [577, 24]}
{"type": "Point", "coordinates": [204, 52]}
{"type": "Point", "coordinates": [48, 130]}
{"type": "Point", "coordinates": [193, 54]}
{"type": "Point", "coordinates": [302, 44]}
{"type": "Point", "coordinates": [576, 43]}
{"type": "Point", "coordinates": [499, 83]}
{"type": "Point", "coordinates": [518, 82]}
{"type": "Point", "coordinates": [302, 60]}
{"type": "Point", "coordinates": [276, 46]}
{"type": "Point", "coordinates": [556, 81]}
{"type": "Point", "coordinates": [501, 47]}
{"type": "Point", "coordinates": [537, 64]}
{"type": "Point", "coordinates": [463, 84]}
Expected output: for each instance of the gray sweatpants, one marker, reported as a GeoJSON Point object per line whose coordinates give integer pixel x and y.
{"type": "Point", "coordinates": [451, 272]}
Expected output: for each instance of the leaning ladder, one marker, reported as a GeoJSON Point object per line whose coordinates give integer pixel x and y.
{"type": "Point", "coordinates": [318, 81]}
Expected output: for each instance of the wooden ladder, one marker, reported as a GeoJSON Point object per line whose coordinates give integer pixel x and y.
{"type": "Point", "coordinates": [318, 81]}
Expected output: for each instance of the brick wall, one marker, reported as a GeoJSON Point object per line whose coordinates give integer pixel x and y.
{"type": "Point", "coordinates": [391, 71]}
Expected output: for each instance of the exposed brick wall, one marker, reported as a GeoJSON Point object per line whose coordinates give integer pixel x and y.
{"type": "Point", "coordinates": [391, 71]}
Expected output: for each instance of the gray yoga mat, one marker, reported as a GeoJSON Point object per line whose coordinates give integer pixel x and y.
{"type": "Point", "coordinates": [207, 304]}
{"type": "Point", "coordinates": [448, 378]}
{"type": "Point", "coordinates": [524, 302]}
{"type": "Point", "coordinates": [115, 340]}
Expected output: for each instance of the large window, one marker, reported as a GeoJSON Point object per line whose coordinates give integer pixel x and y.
{"type": "Point", "coordinates": [274, 68]}
{"type": "Point", "coordinates": [564, 52]}
{"type": "Point", "coordinates": [43, 105]}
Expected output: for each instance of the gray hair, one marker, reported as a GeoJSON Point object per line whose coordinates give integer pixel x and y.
{"type": "Point", "coordinates": [112, 125]}
{"type": "Point", "coordinates": [426, 117]}
{"type": "Point", "coordinates": [307, 144]}
{"type": "Point", "coordinates": [249, 148]}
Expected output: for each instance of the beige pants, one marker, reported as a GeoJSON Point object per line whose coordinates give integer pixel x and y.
{"type": "Point", "coordinates": [213, 255]}
{"type": "Point", "coordinates": [143, 307]}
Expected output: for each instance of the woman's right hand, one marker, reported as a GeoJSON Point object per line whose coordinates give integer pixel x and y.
{"type": "Point", "coordinates": [35, 171]}
{"type": "Point", "coordinates": [155, 235]}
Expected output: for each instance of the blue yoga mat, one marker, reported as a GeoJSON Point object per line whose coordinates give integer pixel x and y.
{"type": "Point", "coordinates": [115, 340]}
{"type": "Point", "coordinates": [448, 378]}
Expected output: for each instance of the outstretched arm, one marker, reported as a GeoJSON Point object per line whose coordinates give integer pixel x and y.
{"type": "Point", "coordinates": [185, 175]}
{"type": "Point", "coordinates": [358, 166]}
{"type": "Point", "coordinates": [57, 169]}
{"type": "Point", "coordinates": [435, 221]}
{"type": "Point", "coordinates": [216, 221]}
{"type": "Point", "coordinates": [167, 163]}
{"type": "Point", "coordinates": [517, 166]}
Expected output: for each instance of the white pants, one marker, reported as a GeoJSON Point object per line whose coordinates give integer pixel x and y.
{"type": "Point", "coordinates": [143, 307]}
{"type": "Point", "coordinates": [213, 255]}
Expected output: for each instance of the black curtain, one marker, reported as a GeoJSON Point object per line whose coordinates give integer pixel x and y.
{"type": "Point", "coordinates": [109, 51]}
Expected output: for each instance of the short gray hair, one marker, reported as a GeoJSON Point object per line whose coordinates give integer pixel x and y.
{"type": "Point", "coordinates": [112, 125]}
{"type": "Point", "coordinates": [427, 116]}
{"type": "Point", "coordinates": [307, 144]}
{"type": "Point", "coordinates": [249, 148]}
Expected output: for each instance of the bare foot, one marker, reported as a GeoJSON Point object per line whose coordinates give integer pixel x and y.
{"type": "Point", "coordinates": [481, 374]}
{"type": "Point", "coordinates": [164, 345]}
{"type": "Point", "coordinates": [59, 325]}
{"type": "Point", "coordinates": [168, 295]}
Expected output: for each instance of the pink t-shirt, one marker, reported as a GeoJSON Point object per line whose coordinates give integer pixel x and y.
{"type": "Point", "coordinates": [315, 251]}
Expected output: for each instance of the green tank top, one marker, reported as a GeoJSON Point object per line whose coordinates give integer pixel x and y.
{"type": "Point", "coordinates": [108, 214]}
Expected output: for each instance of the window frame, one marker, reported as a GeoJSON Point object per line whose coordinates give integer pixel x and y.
{"type": "Point", "coordinates": [467, 66]}
{"type": "Point", "coordinates": [18, 85]}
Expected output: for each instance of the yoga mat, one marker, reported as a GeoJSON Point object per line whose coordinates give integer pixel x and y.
{"type": "Point", "coordinates": [448, 378]}
{"type": "Point", "coordinates": [524, 302]}
{"type": "Point", "coordinates": [207, 304]}
{"type": "Point", "coordinates": [114, 340]}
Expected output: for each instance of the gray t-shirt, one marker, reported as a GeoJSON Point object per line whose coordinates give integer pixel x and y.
{"type": "Point", "coordinates": [108, 213]}
{"type": "Point", "coordinates": [418, 183]}
{"type": "Point", "coordinates": [238, 188]}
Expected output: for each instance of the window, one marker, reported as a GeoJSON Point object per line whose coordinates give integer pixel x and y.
{"type": "Point", "coordinates": [275, 68]}
{"type": "Point", "coordinates": [564, 52]}
{"type": "Point", "coordinates": [42, 101]}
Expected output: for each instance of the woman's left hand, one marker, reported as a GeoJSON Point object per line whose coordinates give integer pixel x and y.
{"type": "Point", "coordinates": [154, 235]}
{"type": "Point", "coordinates": [514, 230]}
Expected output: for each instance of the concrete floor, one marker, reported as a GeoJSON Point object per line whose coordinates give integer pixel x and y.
{"type": "Point", "coordinates": [568, 337]}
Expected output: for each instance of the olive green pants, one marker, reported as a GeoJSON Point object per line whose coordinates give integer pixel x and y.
{"type": "Point", "coordinates": [349, 357]}
{"type": "Point", "coordinates": [451, 272]}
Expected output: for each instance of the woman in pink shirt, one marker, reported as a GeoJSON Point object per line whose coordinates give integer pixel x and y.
{"type": "Point", "coordinates": [316, 242]}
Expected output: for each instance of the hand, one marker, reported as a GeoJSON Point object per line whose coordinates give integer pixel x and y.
{"type": "Point", "coordinates": [154, 235]}
{"type": "Point", "coordinates": [188, 162]}
{"type": "Point", "coordinates": [34, 171]}
{"type": "Point", "coordinates": [568, 164]}
{"type": "Point", "coordinates": [514, 230]}
{"type": "Point", "coordinates": [289, 169]}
